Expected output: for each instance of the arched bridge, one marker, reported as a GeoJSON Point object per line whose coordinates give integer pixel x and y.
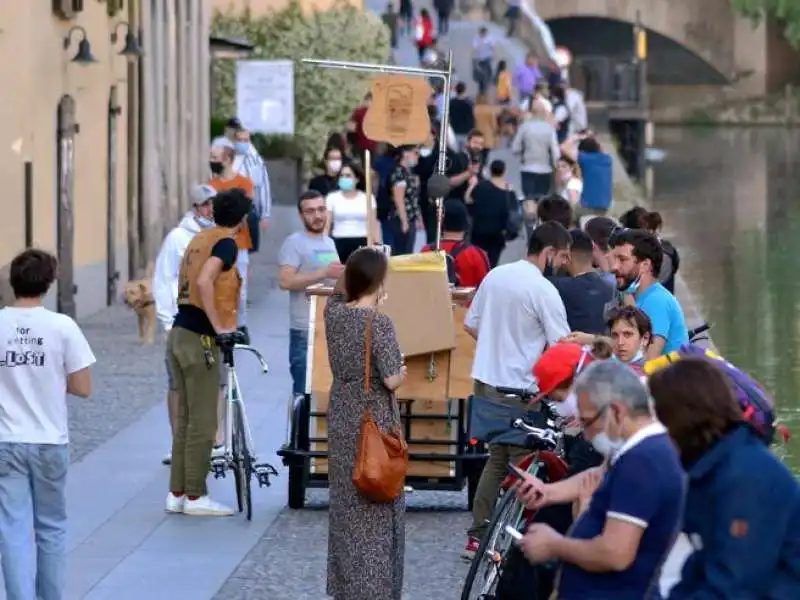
{"type": "Point", "coordinates": [689, 42]}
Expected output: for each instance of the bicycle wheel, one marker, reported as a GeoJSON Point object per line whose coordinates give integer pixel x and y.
{"type": "Point", "coordinates": [242, 464]}
{"type": "Point", "coordinates": [487, 565]}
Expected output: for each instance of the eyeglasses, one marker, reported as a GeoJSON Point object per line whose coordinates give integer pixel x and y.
{"type": "Point", "coordinates": [311, 211]}
{"type": "Point", "coordinates": [586, 423]}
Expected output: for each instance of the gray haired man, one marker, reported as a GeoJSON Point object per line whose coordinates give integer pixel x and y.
{"type": "Point", "coordinates": [617, 546]}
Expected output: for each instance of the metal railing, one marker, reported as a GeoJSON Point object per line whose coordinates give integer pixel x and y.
{"type": "Point", "coordinates": [611, 80]}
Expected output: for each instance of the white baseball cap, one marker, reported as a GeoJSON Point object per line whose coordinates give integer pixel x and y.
{"type": "Point", "coordinates": [202, 193]}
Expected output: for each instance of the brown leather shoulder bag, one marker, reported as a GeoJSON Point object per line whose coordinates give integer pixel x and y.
{"type": "Point", "coordinates": [381, 458]}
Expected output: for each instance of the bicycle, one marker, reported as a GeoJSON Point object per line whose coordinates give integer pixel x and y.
{"type": "Point", "coordinates": [487, 565]}
{"type": "Point", "coordinates": [238, 455]}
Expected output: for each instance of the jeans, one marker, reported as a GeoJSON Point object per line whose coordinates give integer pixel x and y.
{"type": "Point", "coordinates": [495, 470]}
{"type": "Point", "coordinates": [242, 262]}
{"type": "Point", "coordinates": [33, 479]}
{"type": "Point", "coordinates": [298, 347]}
{"type": "Point", "coordinates": [386, 232]}
{"type": "Point", "coordinates": [197, 384]}
{"type": "Point", "coordinates": [403, 242]}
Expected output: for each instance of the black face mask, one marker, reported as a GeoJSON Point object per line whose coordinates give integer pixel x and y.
{"type": "Point", "coordinates": [216, 167]}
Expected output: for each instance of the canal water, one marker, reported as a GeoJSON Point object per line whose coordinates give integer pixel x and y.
{"type": "Point", "coordinates": [730, 198]}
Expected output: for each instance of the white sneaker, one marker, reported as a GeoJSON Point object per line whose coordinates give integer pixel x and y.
{"type": "Point", "coordinates": [167, 460]}
{"type": "Point", "coordinates": [206, 507]}
{"type": "Point", "coordinates": [175, 503]}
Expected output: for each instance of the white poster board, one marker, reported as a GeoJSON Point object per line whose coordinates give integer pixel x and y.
{"type": "Point", "coordinates": [265, 96]}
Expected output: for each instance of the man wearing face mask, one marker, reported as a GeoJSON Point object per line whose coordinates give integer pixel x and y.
{"type": "Point", "coordinates": [617, 546]}
{"type": "Point", "coordinates": [514, 315]}
{"type": "Point", "coordinates": [224, 177]}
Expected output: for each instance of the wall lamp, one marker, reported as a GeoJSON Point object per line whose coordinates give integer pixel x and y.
{"type": "Point", "coordinates": [131, 50]}
{"type": "Point", "coordinates": [84, 55]}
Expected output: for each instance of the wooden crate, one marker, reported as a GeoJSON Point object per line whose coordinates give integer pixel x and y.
{"type": "Point", "coordinates": [427, 390]}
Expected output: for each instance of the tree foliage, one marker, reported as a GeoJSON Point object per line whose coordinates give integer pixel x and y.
{"type": "Point", "coordinates": [787, 11]}
{"type": "Point", "coordinates": [324, 98]}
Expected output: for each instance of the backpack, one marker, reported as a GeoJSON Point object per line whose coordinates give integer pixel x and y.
{"type": "Point", "coordinates": [452, 275]}
{"type": "Point", "coordinates": [757, 407]}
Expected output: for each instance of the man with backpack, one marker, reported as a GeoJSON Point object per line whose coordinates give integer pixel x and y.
{"type": "Point", "coordinates": [467, 265]}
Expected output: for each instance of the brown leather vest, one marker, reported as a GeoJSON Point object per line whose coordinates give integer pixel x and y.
{"type": "Point", "coordinates": [226, 287]}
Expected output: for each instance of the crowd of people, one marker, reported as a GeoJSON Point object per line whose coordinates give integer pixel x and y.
{"type": "Point", "coordinates": [579, 316]}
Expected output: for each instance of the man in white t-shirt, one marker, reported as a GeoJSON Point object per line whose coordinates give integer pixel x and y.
{"type": "Point", "coordinates": [44, 357]}
{"type": "Point", "coordinates": [514, 315]}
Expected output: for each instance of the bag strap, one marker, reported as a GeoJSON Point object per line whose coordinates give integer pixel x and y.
{"type": "Point", "coordinates": [368, 351]}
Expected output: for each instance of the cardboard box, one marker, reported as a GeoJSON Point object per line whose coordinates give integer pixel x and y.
{"type": "Point", "coordinates": [420, 303]}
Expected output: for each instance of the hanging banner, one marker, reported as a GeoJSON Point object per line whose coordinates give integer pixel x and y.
{"type": "Point", "coordinates": [265, 96]}
{"type": "Point", "coordinates": [398, 113]}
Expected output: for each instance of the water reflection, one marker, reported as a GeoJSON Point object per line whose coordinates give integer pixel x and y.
{"type": "Point", "coordinates": [730, 201]}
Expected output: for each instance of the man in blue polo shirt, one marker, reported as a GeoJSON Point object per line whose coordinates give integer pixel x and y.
{"type": "Point", "coordinates": [637, 261]}
{"type": "Point", "coordinates": [618, 544]}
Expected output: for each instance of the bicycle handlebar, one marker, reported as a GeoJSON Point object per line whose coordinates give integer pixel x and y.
{"type": "Point", "coordinates": [549, 437]}
{"type": "Point", "coordinates": [699, 330]}
{"type": "Point", "coordinates": [528, 394]}
{"type": "Point", "coordinates": [228, 351]}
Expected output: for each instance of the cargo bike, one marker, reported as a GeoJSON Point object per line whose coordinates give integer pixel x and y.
{"type": "Point", "coordinates": [433, 400]}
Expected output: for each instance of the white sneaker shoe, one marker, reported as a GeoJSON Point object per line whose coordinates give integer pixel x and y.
{"type": "Point", "coordinates": [206, 507]}
{"type": "Point", "coordinates": [175, 503]}
{"type": "Point", "coordinates": [167, 460]}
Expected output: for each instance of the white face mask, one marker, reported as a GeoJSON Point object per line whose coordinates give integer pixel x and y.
{"type": "Point", "coordinates": [567, 408]}
{"type": "Point", "coordinates": [605, 444]}
{"type": "Point", "coordinates": [204, 222]}
{"type": "Point", "coordinates": [334, 166]}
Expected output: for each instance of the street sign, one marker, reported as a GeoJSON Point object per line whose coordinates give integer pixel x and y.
{"type": "Point", "coordinates": [265, 96]}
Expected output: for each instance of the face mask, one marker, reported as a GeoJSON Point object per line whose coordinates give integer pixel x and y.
{"type": "Point", "coordinates": [241, 147]}
{"type": "Point", "coordinates": [425, 152]}
{"type": "Point", "coordinates": [634, 286]}
{"type": "Point", "coordinates": [567, 408]}
{"type": "Point", "coordinates": [216, 167]}
{"type": "Point", "coordinates": [334, 165]}
{"type": "Point", "coordinates": [639, 356]}
{"type": "Point", "coordinates": [204, 222]}
{"type": "Point", "coordinates": [412, 162]}
{"type": "Point", "coordinates": [605, 444]}
{"type": "Point", "coordinates": [346, 184]}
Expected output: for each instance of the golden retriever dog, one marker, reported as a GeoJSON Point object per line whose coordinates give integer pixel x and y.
{"type": "Point", "coordinates": [138, 294]}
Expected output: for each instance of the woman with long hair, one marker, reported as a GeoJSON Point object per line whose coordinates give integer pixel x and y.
{"type": "Point", "coordinates": [366, 538]}
{"type": "Point", "coordinates": [742, 514]}
{"type": "Point", "coordinates": [569, 183]}
{"type": "Point", "coordinates": [348, 215]}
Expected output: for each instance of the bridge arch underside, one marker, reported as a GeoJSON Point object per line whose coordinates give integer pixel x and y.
{"type": "Point", "coordinates": [669, 62]}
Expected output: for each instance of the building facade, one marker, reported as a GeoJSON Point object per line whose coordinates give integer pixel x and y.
{"type": "Point", "coordinates": [96, 157]}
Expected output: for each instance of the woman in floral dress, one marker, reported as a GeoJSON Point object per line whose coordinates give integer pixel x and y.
{"type": "Point", "coordinates": [366, 540]}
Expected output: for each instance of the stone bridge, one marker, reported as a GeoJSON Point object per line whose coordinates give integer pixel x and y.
{"type": "Point", "coordinates": [694, 46]}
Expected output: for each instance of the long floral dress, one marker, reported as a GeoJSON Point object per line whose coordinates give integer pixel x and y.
{"type": "Point", "coordinates": [366, 540]}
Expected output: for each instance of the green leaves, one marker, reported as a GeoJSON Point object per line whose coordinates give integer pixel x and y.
{"type": "Point", "coordinates": [787, 11]}
{"type": "Point", "coordinates": [324, 98]}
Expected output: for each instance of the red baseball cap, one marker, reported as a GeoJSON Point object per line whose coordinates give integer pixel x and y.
{"type": "Point", "coordinates": [558, 364]}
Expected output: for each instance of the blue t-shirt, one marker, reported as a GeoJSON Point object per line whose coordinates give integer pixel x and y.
{"type": "Point", "coordinates": [665, 314]}
{"type": "Point", "coordinates": [646, 486]}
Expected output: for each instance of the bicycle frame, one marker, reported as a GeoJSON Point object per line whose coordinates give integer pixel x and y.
{"type": "Point", "coordinates": [233, 395]}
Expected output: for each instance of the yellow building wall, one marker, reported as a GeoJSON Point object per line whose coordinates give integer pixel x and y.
{"type": "Point", "coordinates": [260, 7]}
{"type": "Point", "coordinates": [36, 72]}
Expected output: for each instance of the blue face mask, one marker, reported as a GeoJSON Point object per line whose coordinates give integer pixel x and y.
{"type": "Point", "coordinates": [241, 147]}
{"type": "Point", "coordinates": [204, 222]}
{"type": "Point", "coordinates": [346, 184]}
{"type": "Point", "coordinates": [634, 286]}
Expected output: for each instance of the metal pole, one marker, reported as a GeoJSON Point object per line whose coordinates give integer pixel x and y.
{"type": "Point", "coordinates": [445, 76]}
{"type": "Point", "coordinates": [368, 186]}
{"type": "Point", "coordinates": [442, 164]}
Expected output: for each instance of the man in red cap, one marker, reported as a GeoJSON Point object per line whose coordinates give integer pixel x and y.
{"type": "Point", "coordinates": [556, 369]}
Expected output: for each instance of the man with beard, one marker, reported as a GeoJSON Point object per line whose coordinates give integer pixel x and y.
{"type": "Point", "coordinates": [465, 167]}
{"type": "Point", "coordinates": [637, 262]}
{"type": "Point", "coordinates": [306, 257]}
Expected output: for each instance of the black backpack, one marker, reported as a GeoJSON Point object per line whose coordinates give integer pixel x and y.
{"type": "Point", "coordinates": [452, 275]}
